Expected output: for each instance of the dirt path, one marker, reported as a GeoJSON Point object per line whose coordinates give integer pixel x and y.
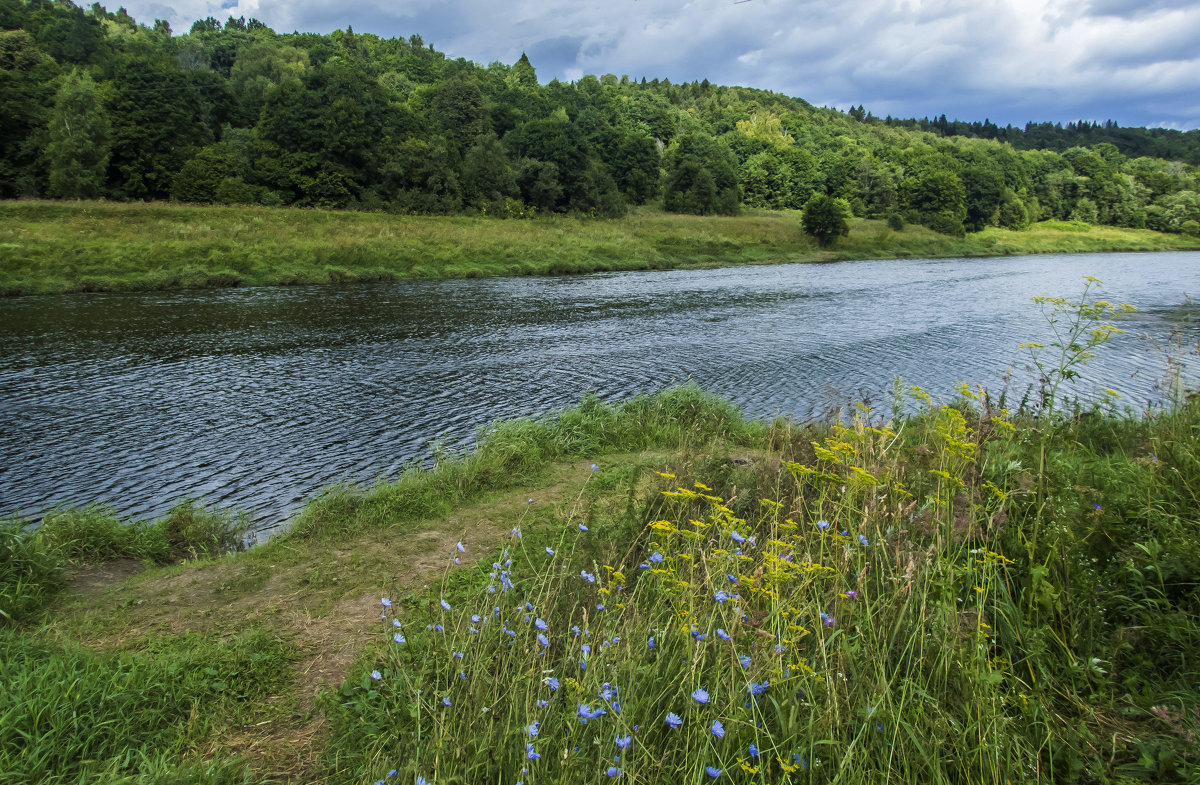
{"type": "Point", "coordinates": [321, 600]}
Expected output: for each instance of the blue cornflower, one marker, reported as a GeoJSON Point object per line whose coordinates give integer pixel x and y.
{"type": "Point", "coordinates": [549, 550]}
{"type": "Point", "coordinates": [575, 630]}
{"type": "Point", "coordinates": [541, 625]}
{"type": "Point", "coordinates": [623, 741]}
{"type": "Point", "coordinates": [822, 524]}
{"type": "Point", "coordinates": [445, 701]}
{"type": "Point", "coordinates": [720, 596]}
{"type": "Point", "coordinates": [582, 528]}
{"type": "Point", "coordinates": [739, 539]}
{"type": "Point", "coordinates": [587, 576]}
{"type": "Point", "coordinates": [398, 638]}
{"type": "Point", "coordinates": [606, 691]}
{"type": "Point", "coordinates": [744, 659]}
{"type": "Point", "coordinates": [758, 688]}
{"type": "Point", "coordinates": [753, 751]}
{"type": "Point", "coordinates": [829, 620]}
{"type": "Point", "coordinates": [650, 643]}
{"type": "Point", "coordinates": [395, 622]}
{"type": "Point", "coordinates": [385, 602]}
{"type": "Point", "coordinates": [541, 638]}
{"type": "Point", "coordinates": [445, 605]}
{"type": "Point", "coordinates": [700, 695]}
{"type": "Point", "coordinates": [712, 771]}
{"type": "Point", "coordinates": [718, 729]}
{"type": "Point", "coordinates": [553, 682]}
{"type": "Point", "coordinates": [613, 771]}
{"type": "Point", "coordinates": [673, 720]}
{"type": "Point", "coordinates": [530, 754]}
{"type": "Point", "coordinates": [595, 467]}
{"type": "Point", "coordinates": [376, 675]}
{"type": "Point", "coordinates": [588, 713]}
{"type": "Point", "coordinates": [862, 538]}
{"type": "Point", "coordinates": [421, 780]}
{"type": "Point", "coordinates": [732, 578]}
{"type": "Point", "coordinates": [722, 634]}
{"type": "Point", "coordinates": [541, 704]}
{"type": "Point", "coordinates": [586, 648]}
{"type": "Point", "coordinates": [655, 558]}
{"type": "Point", "coordinates": [457, 655]}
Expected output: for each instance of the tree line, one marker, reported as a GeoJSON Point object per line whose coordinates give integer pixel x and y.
{"type": "Point", "coordinates": [97, 105]}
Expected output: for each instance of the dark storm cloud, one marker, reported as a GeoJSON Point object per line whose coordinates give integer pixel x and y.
{"type": "Point", "coordinates": [1007, 60]}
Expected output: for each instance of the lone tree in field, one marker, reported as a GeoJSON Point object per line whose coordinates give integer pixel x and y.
{"type": "Point", "coordinates": [825, 219]}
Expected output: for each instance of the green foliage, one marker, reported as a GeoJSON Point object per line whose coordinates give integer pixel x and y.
{"type": "Point", "coordinates": [29, 571]}
{"type": "Point", "coordinates": [70, 715]}
{"type": "Point", "coordinates": [700, 177]}
{"type": "Point", "coordinates": [850, 606]}
{"type": "Point", "coordinates": [351, 121]}
{"type": "Point", "coordinates": [78, 147]}
{"type": "Point", "coordinates": [95, 534]}
{"type": "Point", "coordinates": [826, 219]}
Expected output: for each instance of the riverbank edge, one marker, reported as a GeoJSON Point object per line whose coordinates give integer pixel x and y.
{"type": "Point", "coordinates": [51, 247]}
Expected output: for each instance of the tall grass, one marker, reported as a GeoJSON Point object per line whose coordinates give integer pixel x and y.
{"type": "Point", "coordinates": [868, 612]}
{"type": "Point", "coordinates": [69, 715]}
{"type": "Point", "coordinates": [32, 559]}
{"type": "Point", "coordinates": [50, 247]}
{"type": "Point", "coordinates": [959, 594]}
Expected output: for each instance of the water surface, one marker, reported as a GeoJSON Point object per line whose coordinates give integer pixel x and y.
{"type": "Point", "coordinates": [257, 398]}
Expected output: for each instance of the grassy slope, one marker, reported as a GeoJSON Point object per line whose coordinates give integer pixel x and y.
{"type": "Point", "coordinates": [48, 247]}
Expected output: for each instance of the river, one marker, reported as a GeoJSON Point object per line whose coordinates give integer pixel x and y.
{"type": "Point", "coordinates": [257, 398]}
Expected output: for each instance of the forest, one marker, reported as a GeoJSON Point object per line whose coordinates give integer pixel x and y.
{"type": "Point", "coordinates": [99, 106]}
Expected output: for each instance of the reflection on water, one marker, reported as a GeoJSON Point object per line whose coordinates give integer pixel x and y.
{"type": "Point", "coordinates": [257, 398]}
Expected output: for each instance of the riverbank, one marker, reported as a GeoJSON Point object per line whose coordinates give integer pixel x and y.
{"type": "Point", "coordinates": [54, 247]}
{"type": "Point", "coordinates": [958, 595]}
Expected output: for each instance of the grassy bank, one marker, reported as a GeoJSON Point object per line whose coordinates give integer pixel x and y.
{"type": "Point", "coordinates": [959, 595]}
{"type": "Point", "coordinates": [48, 247]}
{"type": "Point", "coordinates": [659, 591]}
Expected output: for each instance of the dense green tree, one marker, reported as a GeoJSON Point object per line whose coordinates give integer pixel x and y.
{"type": "Point", "coordinates": [826, 219]}
{"type": "Point", "coordinates": [79, 139]}
{"type": "Point", "coordinates": [26, 92]}
{"type": "Point", "coordinates": [938, 200]}
{"type": "Point", "coordinates": [983, 191]}
{"type": "Point", "coordinates": [156, 116]}
{"type": "Point", "coordinates": [487, 176]}
{"type": "Point", "coordinates": [700, 177]}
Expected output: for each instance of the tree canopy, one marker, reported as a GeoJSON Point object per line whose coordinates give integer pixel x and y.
{"type": "Point", "coordinates": [97, 105]}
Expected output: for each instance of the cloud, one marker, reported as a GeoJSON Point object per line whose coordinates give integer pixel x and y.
{"type": "Point", "coordinates": [1008, 60]}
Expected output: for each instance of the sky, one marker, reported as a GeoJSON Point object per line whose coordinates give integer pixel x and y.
{"type": "Point", "coordinates": [1011, 61]}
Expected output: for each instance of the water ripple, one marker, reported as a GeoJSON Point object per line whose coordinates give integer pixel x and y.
{"type": "Point", "coordinates": [258, 398]}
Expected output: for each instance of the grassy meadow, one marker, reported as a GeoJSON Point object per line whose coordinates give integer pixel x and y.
{"type": "Point", "coordinates": [50, 247]}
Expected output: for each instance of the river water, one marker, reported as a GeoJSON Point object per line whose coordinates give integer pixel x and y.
{"type": "Point", "coordinates": [257, 398]}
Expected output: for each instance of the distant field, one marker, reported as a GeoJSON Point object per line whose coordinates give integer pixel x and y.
{"type": "Point", "coordinates": [53, 247]}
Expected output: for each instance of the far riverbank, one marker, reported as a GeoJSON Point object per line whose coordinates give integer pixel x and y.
{"type": "Point", "coordinates": [58, 247]}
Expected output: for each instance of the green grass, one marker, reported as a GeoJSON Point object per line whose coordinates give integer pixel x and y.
{"type": "Point", "coordinates": [942, 592]}
{"type": "Point", "coordinates": [69, 715]}
{"type": "Point", "coordinates": [911, 609]}
{"type": "Point", "coordinates": [32, 559]}
{"type": "Point", "coordinates": [48, 247]}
